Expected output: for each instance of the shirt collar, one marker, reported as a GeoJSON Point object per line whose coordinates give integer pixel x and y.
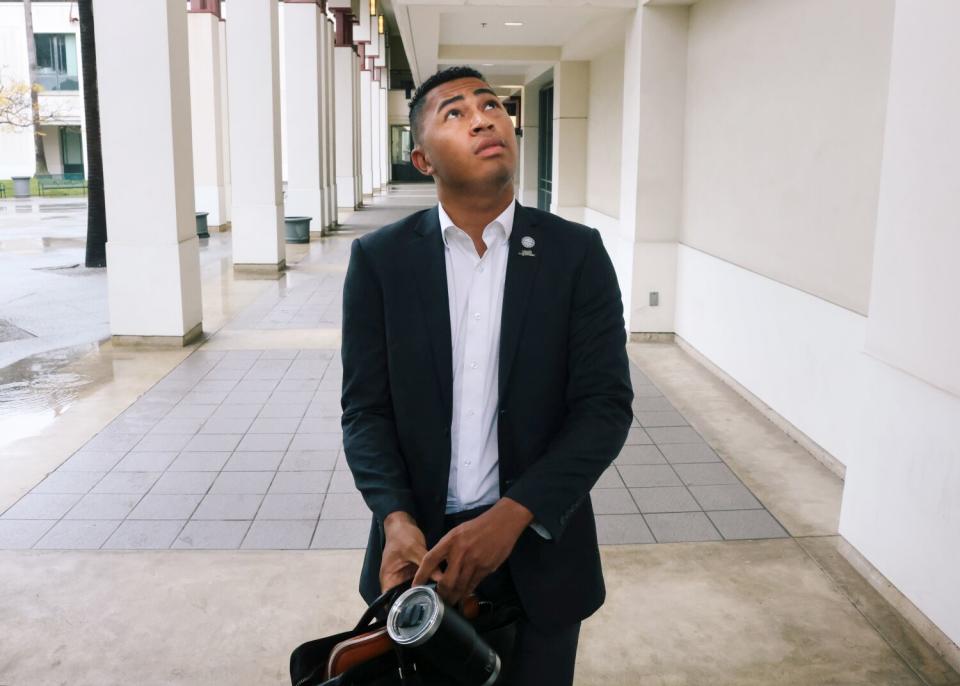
{"type": "Point", "coordinates": [504, 219]}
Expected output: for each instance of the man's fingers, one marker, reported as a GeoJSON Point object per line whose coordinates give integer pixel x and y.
{"type": "Point", "coordinates": [431, 560]}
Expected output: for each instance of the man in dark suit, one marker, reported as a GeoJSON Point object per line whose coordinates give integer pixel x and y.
{"type": "Point", "coordinates": [485, 385]}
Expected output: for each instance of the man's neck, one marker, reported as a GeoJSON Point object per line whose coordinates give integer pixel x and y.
{"type": "Point", "coordinates": [472, 213]}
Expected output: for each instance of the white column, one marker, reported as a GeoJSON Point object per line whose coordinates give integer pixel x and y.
{"type": "Point", "coordinates": [366, 132]}
{"type": "Point", "coordinates": [206, 104]}
{"type": "Point", "coordinates": [385, 145]}
{"type": "Point", "coordinates": [357, 129]}
{"type": "Point", "coordinates": [303, 54]}
{"type": "Point", "coordinates": [377, 137]}
{"type": "Point", "coordinates": [329, 148]}
{"type": "Point", "coordinates": [529, 145]}
{"type": "Point", "coordinates": [253, 64]}
{"type": "Point", "coordinates": [152, 252]}
{"type": "Point", "coordinates": [571, 100]}
{"type": "Point", "coordinates": [225, 126]}
{"type": "Point", "coordinates": [343, 79]}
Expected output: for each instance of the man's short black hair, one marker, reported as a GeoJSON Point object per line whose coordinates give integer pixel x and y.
{"type": "Point", "coordinates": [420, 95]}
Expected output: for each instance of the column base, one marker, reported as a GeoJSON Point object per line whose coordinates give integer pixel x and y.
{"type": "Point", "coordinates": [191, 336]}
{"type": "Point", "coordinates": [260, 271]}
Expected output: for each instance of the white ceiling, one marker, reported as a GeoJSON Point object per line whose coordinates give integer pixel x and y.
{"type": "Point", "coordinates": [439, 32]}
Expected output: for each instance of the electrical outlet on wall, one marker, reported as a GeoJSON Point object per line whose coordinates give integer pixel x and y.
{"type": "Point", "coordinates": [654, 298]}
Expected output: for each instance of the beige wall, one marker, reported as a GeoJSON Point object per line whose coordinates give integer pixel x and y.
{"type": "Point", "coordinates": [784, 132]}
{"type": "Point", "coordinates": [603, 132]}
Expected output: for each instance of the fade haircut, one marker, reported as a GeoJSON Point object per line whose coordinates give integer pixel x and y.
{"type": "Point", "coordinates": [419, 98]}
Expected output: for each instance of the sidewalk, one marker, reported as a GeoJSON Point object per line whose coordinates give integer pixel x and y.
{"type": "Point", "coordinates": [186, 517]}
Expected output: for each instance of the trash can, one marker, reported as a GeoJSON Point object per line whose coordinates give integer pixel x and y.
{"type": "Point", "coordinates": [21, 186]}
{"type": "Point", "coordinates": [202, 231]}
{"type": "Point", "coordinates": [298, 229]}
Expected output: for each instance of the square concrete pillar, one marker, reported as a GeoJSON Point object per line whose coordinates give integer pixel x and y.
{"type": "Point", "coordinates": [225, 126]}
{"type": "Point", "coordinates": [253, 71]}
{"type": "Point", "coordinates": [343, 79]}
{"type": "Point", "coordinates": [571, 101]}
{"type": "Point", "coordinates": [206, 105]}
{"type": "Point", "coordinates": [303, 54]}
{"type": "Point", "coordinates": [330, 136]}
{"type": "Point", "coordinates": [376, 137]}
{"type": "Point", "coordinates": [153, 266]}
{"type": "Point", "coordinates": [385, 131]}
{"type": "Point", "coordinates": [366, 131]}
{"type": "Point", "coordinates": [357, 128]}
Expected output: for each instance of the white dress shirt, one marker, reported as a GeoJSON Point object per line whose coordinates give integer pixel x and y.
{"type": "Point", "coordinates": [475, 291]}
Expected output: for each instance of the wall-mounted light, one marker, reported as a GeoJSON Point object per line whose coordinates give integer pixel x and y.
{"type": "Point", "coordinates": [380, 24]}
{"type": "Point", "coordinates": [373, 8]}
{"type": "Point", "coordinates": [506, 23]}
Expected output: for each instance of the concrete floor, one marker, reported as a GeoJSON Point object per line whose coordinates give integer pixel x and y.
{"type": "Point", "coordinates": [784, 611]}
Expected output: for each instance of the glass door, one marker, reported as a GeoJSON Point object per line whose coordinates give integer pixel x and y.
{"type": "Point", "coordinates": [545, 149]}
{"type": "Point", "coordinates": [71, 150]}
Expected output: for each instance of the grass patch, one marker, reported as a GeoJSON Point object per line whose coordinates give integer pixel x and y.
{"type": "Point", "coordinates": [7, 185]}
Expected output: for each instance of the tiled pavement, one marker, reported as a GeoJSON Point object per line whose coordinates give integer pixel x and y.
{"type": "Point", "coordinates": [242, 449]}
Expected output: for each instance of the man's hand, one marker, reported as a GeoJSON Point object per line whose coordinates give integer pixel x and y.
{"type": "Point", "coordinates": [403, 552]}
{"type": "Point", "coordinates": [474, 550]}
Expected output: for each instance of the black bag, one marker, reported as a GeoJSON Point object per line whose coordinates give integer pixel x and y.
{"type": "Point", "coordinates": [496, 623]}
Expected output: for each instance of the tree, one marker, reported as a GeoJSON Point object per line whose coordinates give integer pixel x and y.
{"type": "Point", "coordinates": [96, 255]}
{"type": "Point", "coordinates": [41, 158]}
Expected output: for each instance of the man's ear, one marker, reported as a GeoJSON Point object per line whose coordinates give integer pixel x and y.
{"type": "Point", "coordinates": [419, 159]}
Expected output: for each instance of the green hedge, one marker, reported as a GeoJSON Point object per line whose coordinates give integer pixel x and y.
{"type": "Point", "coordinates": [35, 190]}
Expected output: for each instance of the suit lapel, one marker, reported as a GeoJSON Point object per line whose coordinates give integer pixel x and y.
{"type": "Point", "coordinates": [521, 270]}
{"type": "Point", "coordinates": [429, 267]}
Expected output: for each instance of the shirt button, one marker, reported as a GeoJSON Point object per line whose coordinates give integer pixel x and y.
{"type": "Point", "coordinates": [476, 315]}
{"type": "Point", "coordinates": [470, 413]}
{"type": "Point", "coordinates": [474, 365]}
{"type": "Point", "coordinates": [480, 268]}
{"type": "Point", "coordinates": [468, 463]}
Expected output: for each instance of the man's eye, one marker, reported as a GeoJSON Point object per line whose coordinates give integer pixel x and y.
{"type": "Point", "coordinates": [452, 112]}
{"type": "Point", "coordinates": [494, 104]}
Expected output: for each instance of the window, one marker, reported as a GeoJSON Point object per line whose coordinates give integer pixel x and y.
{"type": "Point", "coordinates": [57, 61]}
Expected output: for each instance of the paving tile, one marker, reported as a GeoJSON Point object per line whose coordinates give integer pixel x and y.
{"type": "Point", "coordinates": [19, 534]}
{"type": "Point", "coordinates": [284, 410]}
{"type": "Point", "coordinates": [257, 385]}
{"type": "Point", "coordinates": [166, 506]}
{"type": "Point", "coordinates": [103, 506]}
{"type": "Point", "coordinates": [184, 483]}
{"type": "Point", "coordinates": [279, 354]}
{"type": "Point", "coordinates": [747, 524]}
{"type": "Point", "coordinates": [322, 410]}
{"type": "Point", "coordinates": [622, 529]}
{"type": "Point", "coordinates": [291, 506]}
{"type": "Point", "coordinates": [674, 434]}
{"type": "Point", "coordinates": [291, 397]}
{"type": "Point", "coordinates": [320, 425]}
{"type": "Point", "coordinates": [678, 453]}
{"type": "Point", "coordinates": [75, 534]}
{"type": "Point", "coordinates": [646, 391]}
{"type": "Point", "coordinates": [307, 460]}
{"type": "Point", "coordinates": [205, 397]}
{"type": "Point", "coordinates": [162, 443]}
{"type": "Point", "coordinates": [145, 462]}
{"type": "Point", "coordinates": [316, 442]}
{"type": "Point", "coordinates": [129, 425]}
{"type": "Point", "coordinates": [609, 479]}
{"type": "Point", "coordinates": [212, 535]}
{"type": "Point", "coordinates": [637, 436]}
{"type": "Point", "coordinates": [640, 454]}
{"type": "Point", "coordinates": [707, 474]}
{"type": "Point", "coordinates": [678, 527]}
{"type": "Point", "coordinates": [144, 535]}
{"type": "Point", "coordinates": [92, 461]}
{"type": "Point", "coordinates": [199, 462]}
{"type": "Point", "coordinates": [342, 465]}
{"type": "Point", "coordinates": [265, 442]}
{"type": "Point", "coordinates": [612, 501]}
{"type": "Point", "coordinates": [268, 369]}
{"type": "Point", "coordinates": [213, 442]}
{"type": "Point", "coordinates": [228, 506]}
{"type": "Point", "coordinates": [42, 506]}
{"type": "Point", "coordinates": [668, 418]}
{"type": "Point", "coordinates": [664, 499]}
{"type": "Point", "coordinates": [726, 497]}
{"type": "Point", "coordinates": [215, 385]}
{"type": "Point", "coordinates": [133, 483]}
{"type": "Point", "coordinates": [280, 535]}
{"type": "Point", "coordinates": [298, 385]}
{"type": "Point", "coordinates": [654, 404]}
{"type": "Point", "coordinates": [177, 425]}
{"type": "Point", "coordinates": [112, 442]}
{"type": "Point", "coordinates": [247, 397]}
{"type": "Point", "coordinates": [242, 482]}
{"type": "Point", "coordinates": [344, 506]}
{"type": "Point", "coordinates": [275, 425]}
{"type": "Point", "coordinates": [341, 534]}
{"type": "Point", "coordinates": [227, 425]}
{"type": "Point", "coordinates": [189, 411]}
{"type": "Point", "coordinates": [642, 475]}
{"type": "Point", "coordinates": [301, 482]}
{"type": "Point", "coordinates": [68, 482]}
{"type": "Point", "coordinates": [254, 461]}
{"type": "Point", "coordinates": [237, 411]}
{"type": "Point", "coordinates": [342, 482]}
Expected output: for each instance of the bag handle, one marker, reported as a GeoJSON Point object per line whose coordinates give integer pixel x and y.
{"type": "Point", "coordinates": [378, 608]}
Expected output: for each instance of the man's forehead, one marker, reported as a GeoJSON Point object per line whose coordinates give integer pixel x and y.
{"type": "Point", "coordinates": [462, 86]}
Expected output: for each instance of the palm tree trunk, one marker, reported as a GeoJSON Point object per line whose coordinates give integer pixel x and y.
{"type": "Point", "coordinates": [41, 158]}
{"type": "Point", "coordinates": [96, 208]}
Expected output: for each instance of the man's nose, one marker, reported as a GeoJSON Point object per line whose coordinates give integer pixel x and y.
{"type": "Point", "coordinates": [481, 122]}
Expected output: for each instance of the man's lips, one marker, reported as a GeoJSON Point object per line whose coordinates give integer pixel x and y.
{"type": "Point", "coordinates": [490, 147]}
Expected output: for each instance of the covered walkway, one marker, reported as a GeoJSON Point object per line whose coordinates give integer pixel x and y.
{"type": "Point", "coordinates": [721, 552]}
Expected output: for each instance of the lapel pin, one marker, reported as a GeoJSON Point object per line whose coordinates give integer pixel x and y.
{"type": "Point", "coordinates": [527, 242]}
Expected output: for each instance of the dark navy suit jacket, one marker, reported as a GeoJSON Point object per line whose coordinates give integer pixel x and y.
{"type": "Point", "coordinates": [564, 394]}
